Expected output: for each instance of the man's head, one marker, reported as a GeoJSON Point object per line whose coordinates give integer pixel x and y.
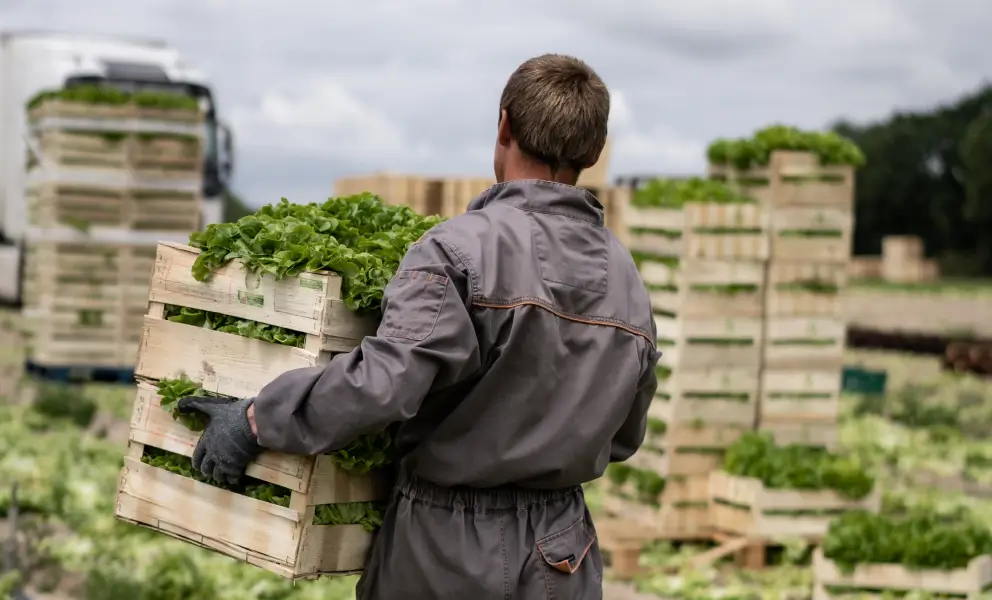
{"type": "Point", "coordinates": [552, 121]}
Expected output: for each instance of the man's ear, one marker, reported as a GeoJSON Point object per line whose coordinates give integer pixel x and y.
{"type": "Point", "coordinates": [503, 135]}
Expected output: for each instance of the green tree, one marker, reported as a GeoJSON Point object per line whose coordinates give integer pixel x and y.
{"type": "Point", "coordinates": [914, 182]}
{"type": "Point", "coordinates": [976, 158]}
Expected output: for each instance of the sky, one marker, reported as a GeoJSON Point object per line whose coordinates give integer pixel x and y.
{"type": "Point", "coordinates": [319, 89]}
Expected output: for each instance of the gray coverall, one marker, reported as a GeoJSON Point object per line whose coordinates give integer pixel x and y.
{"type": "Point", "coordinates": [517, 349]}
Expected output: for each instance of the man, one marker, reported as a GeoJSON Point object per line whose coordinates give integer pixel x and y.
{"type": "Point", "coordinates": [516, 350]}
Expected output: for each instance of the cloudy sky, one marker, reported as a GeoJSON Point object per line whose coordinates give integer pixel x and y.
{"type": "Point", "coordinates": [320, 89]}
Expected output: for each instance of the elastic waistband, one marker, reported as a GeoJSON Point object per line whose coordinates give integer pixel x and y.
{"type": "Point", "coordinates": [480, 499]}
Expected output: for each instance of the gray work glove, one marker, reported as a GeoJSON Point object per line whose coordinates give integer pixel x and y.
{"type": "Point", "coordinates": [227, 444]}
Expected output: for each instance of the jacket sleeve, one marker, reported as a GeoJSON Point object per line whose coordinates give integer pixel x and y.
{"type": "Point", "coordinates": [630, 436]}
{"type": "Point", "coordinates": [425, 342]}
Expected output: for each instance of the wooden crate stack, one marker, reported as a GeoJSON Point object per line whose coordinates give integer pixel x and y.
{"type": "Point", "coordinates": [450, 196]}
{"type": "Point", "coordinates": [808, 210]}
{"type": "Point", "coordinates": [445, 196]}
{"type": "Point", "coordinates": [281, 539]}
{"type": "Point", "coordinates": [703, 265]}
{"type": "Point", "coordinates": [104, 184]}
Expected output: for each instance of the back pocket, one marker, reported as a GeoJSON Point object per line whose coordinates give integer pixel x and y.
{"type": "Point", "coordinates": [567, 555]}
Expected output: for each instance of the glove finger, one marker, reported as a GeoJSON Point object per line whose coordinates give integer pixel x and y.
{"type": "Point", "coordinates": [204, 404]}
{"type": "Point", "coordinates": [198, 455]}
{"type": "Point", "coordinates": [229, 474]}
{"type": "Point", "coordinates": [207, 467]}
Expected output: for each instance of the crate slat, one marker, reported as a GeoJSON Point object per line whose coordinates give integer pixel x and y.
{"type": "Point", "coordinates": [969, 581]}
{"type": "Point", "coordinates": [804, 342]}
{"type": "Point", "coordinates": [697, 283]}
{"type": "Point", "coordinates": [694, 343]}
{"type": "Point", "coordinates": [782, 394]}
{"type": "Point", "coordinates": [741, 505]}
{"type": "Point", "coordinates": [779, 184]}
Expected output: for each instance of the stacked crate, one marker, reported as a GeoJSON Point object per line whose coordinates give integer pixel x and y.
{"type": "Point", "coordinates": [105, 182]}
{"type": "Point", "coordinates": [284, 539]}
{"type": "Point", "coordinates": [703, 265]}
{"type": "Point", "coordinates": [808, 211]}
{"type": "Point", "coordinates": [450, 196]}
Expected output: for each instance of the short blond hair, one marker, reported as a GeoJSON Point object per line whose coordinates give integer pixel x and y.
{"type": "Point", "coordinates": [558, 108]}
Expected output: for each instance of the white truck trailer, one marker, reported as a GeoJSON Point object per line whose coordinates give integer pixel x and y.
{"type": "Point", "coordinates": [35, 61]}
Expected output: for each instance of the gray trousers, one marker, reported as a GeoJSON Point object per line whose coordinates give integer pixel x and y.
{"type": "Point", "coordinates": [469, 544]}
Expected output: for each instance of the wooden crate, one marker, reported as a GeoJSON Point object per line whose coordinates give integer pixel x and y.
{"type": "Point", "coordinates": [100, 149]}
{"type": "Point", "coordinates": [51, 205]}
{"type": "Point", "coordinates": [164, 210]}
{"type": "Point", "coordinates": [457, 193]}
{"type": "Point", "coordinates": [282, 540]}
{"type": "Point", "coordinates": [811, 433]}
{"type": "Point", "coordinates": [703, 343]}
{"type": "Point", "coordinates": [800, 396]}
{"type": "Point", "coordinates": [725, 396]}
{"type": "Point", "coordinates": [700, 231]}
{"type": "Point", "coordinates": [705, 288]}
{"type": "Point", "coordinates": [155, 151]}
{"type": "Point", "coordinates": [681, 515]}
{"type": "Point", "coordinates": [813, 234]}
{"type": "Point", "coordinates": [803, 343]}
{"type": "Point", "coordinates": [229, 364]}
{"type": "Point", "coordinates": [794, 179]}
{"type": "Point", "coordinates": [745, 507]}
{"type": "Point", "coordinates": [969, 582]}
{"type": "Point", "coordinates": [112, 113]}
{"type": "Point", "coordinates": [77, 302]}
{"type": "Point", "coordinates": [805, 289]}
{"type": "Point", "coordinates": [424, 195]}
{"type": "Point", "coordinates": [618, 503]}
{"type": "Point", "coordinates": [686, 450]}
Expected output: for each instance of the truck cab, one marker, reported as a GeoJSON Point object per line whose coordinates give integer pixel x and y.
{"type": "Point", "coordinates": [35, 61]}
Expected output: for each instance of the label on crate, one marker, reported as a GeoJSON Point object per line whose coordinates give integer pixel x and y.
{"type": "Point", "coordinates": [313, 284]}
{"type": "Point", "coordinates": [246, 297]}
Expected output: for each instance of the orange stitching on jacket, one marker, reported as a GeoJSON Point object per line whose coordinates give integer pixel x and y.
{"type": "Point", "coordinates": [562, 315]}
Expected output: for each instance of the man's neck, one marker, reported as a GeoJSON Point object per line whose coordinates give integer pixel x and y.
{"type": "Point", "coordinates": [543, 172]}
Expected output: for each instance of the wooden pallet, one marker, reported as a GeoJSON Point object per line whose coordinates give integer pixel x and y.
{"type": "Point", "coordinates": [281, 540]}
{"type": "Point", "coordinates": [793, 179]}
{"type": "Point", "coordinates": [805, 289]}
{"type": "Point", "coordinates": [719, 396]}
{"type": "Point", "coordinates": [699, 231]}
{"type": "Point", "coordinates": [800, 396]}
{"type": "Point", "coordinates": [743, 506]}
{"type": "Point", "coordinates": [803, 343]}
{"type": "Point", "coordinates": [968, 582]}
{"type": "Point", "coordinates": [705, 288]}
{"type": "Point", "coordinates": [705, 343]}
{"type": "Point", "coordinates": [229, 364]}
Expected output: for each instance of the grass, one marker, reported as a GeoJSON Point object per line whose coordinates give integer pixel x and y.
{"type": "Point", "coordinates": [955, 286]}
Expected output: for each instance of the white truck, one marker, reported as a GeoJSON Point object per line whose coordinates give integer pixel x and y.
{"type": "Point", "coordinates": [36, 61]}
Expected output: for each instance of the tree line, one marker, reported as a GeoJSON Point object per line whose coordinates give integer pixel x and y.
{"type": "Point", "coordinates": [929, 174]}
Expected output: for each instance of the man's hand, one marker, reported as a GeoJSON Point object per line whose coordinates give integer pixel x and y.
{"type": "Point", "coordinates": [228, 443]}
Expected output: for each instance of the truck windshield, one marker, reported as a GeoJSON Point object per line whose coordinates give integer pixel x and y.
{"type": "Point", "coordinates": [213, 184]}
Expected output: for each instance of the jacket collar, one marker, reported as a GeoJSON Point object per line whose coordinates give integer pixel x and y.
{"type": "Point", "coordinates": [543, 196]}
